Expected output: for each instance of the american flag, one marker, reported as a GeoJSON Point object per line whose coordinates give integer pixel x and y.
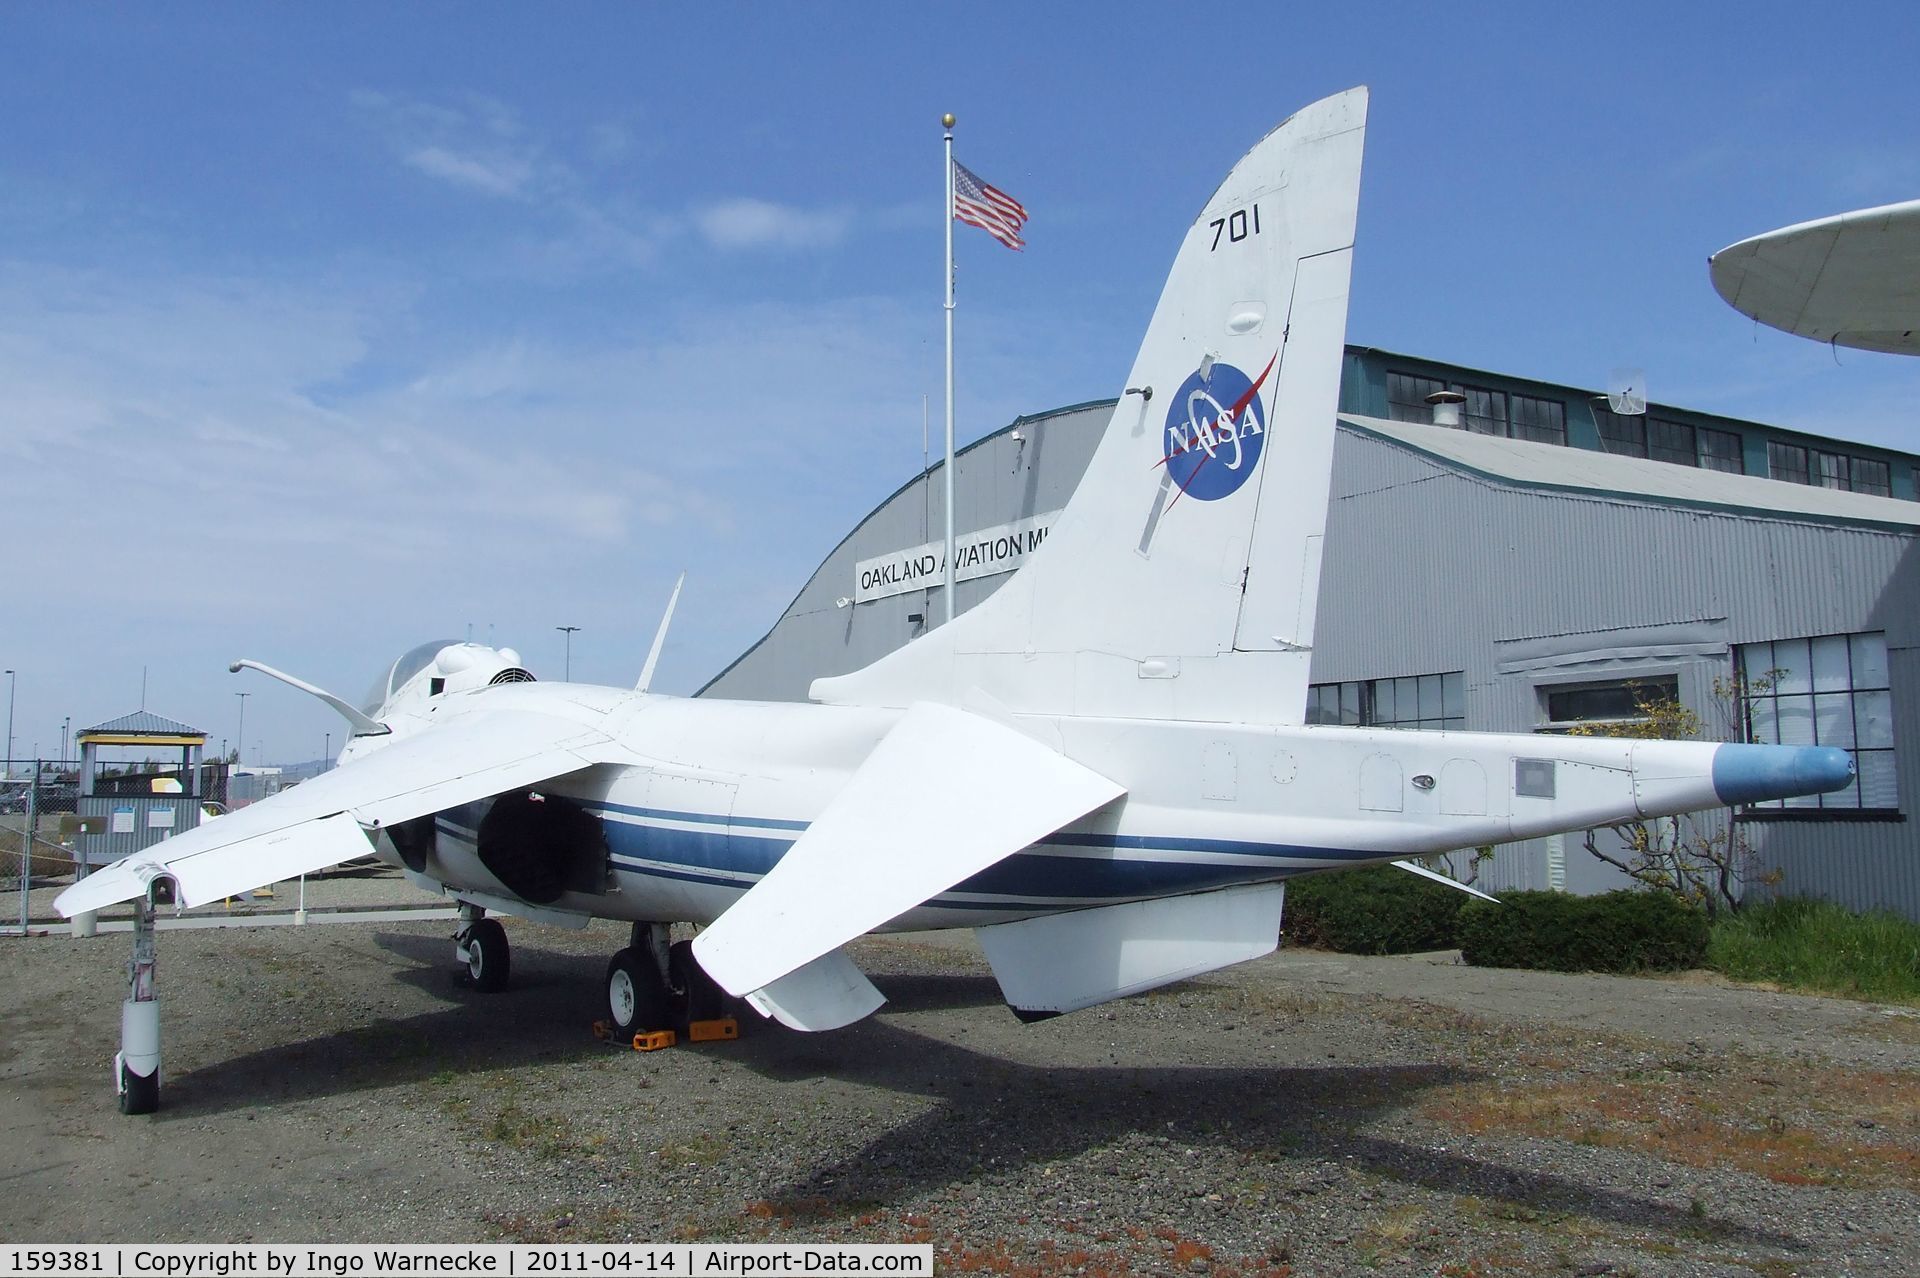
{"type": "Point", "coordinates": [986, 206]}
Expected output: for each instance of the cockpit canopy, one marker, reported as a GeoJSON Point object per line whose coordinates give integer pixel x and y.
{"type": "Point", "coordinates": [449, 658]}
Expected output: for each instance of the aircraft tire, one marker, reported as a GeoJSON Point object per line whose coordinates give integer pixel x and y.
{"type": "Point", "coordinates": [139, 1095]}
{"type": "Point", "coordinates": [489, 958]}
{"type": "Point", "coordinates": [636, 996]}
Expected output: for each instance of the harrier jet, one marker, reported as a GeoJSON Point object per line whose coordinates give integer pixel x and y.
{"type": "Point", "coordinates": [1102, 769]}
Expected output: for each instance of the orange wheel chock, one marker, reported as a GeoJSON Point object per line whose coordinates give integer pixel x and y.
{"type": "Point", "coordinates": [724, 1027]}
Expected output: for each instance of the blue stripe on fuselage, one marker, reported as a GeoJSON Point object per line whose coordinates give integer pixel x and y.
{"type": "Point", "coordinates": [724, 846]}
{"type": "Point", "coordinates": [734, 851]}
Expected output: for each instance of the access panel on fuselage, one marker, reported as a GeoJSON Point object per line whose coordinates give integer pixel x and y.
{"type": "Point", "coordinates": [675, 846]}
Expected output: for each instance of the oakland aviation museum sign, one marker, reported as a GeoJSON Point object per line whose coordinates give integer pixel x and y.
{"type": "Point", "coordinates": [1001, 548]}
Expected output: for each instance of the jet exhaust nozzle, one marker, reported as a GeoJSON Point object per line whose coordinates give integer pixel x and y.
{"type": "Point", "coordinates": [1755, 773]}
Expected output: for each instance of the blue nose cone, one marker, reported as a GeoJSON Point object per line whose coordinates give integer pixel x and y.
{"type": "Point", "coordinates": [1755, 773]}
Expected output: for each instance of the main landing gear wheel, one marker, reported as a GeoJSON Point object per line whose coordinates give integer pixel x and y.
{"type": "Point", "coordinates": [139, 1094]}
{"type": "Point", "coordinates": [489, 959]}
{"type": "Point", "coordinates": [636, 996]}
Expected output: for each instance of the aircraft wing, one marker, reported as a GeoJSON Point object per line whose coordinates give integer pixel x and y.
{"type": "Point", "coordinates": [943, 796]}
{"type": "Point", "coordinates": [318, 823]}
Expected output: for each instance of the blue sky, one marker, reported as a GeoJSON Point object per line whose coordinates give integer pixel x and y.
{"type": "Point", "coordinates": [328, 329]}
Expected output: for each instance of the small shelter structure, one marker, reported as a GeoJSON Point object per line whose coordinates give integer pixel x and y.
{"type": "Point", "coordinates": [119, 824]}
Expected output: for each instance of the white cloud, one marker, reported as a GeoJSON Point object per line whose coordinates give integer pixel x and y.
{"type": "Point", "coordinates": [165, 408]}
{"type": "Point", "coordinates": [479, 145]}
{"type": "Point", "coordinates": [578, 222]}
{"type": "Point", "coordinates": [492, 175]}
{"type": "Point", "coordinates": [747, 223]}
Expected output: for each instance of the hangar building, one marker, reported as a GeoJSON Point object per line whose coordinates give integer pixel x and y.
{"type": "Point", "coordinates": [1514, 573]}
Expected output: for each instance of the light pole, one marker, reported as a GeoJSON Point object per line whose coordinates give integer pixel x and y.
{"type": "Point", "coordinates": [6, 764]}
{"type": "Point", "coordinates": [326, 752]}
{"type": "Point", "coordinates": [240, 737]}
{"type": "Point", "coordinates": [65, 724]}
{"type": "Point", "coordinates": [568, 631]}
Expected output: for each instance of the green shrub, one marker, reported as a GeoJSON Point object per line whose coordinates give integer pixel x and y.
{"type": "Point", "coordinates": [1817, 945]}
{"type": "Point", "coordinates": [1377, 910]}
{"type": "Point", "coordinates": [1627, 931]}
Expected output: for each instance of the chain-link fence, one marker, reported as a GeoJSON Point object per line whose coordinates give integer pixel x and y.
{"type": "Point", "coordinates": [38, 830]}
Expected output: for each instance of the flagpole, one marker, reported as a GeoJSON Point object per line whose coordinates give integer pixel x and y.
{"type": "Point", "coordinates": [948, 121]}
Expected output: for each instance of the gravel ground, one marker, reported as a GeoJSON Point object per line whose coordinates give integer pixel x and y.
{"type": "Point", "coordinates": [1306, 1114]}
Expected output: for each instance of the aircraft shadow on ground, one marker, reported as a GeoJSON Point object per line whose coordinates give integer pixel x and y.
{"type": "Point", "coordinates": [545, 1016]}
{"type": "Point", "coordinates": [995, 1115]}
{"type": "Point", "coordinates": [941, 992]}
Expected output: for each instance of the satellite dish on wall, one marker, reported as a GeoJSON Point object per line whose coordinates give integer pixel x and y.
{"type": "Point", "coordinates": [1627, 391]}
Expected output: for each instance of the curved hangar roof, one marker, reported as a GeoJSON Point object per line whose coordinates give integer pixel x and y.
{"type": "Point", "coordinates": [1852, 279]}
{"type": "Point", "coordinates": [1555, 467]}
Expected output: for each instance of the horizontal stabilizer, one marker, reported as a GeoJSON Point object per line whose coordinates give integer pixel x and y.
{"type": "Point", "coordinates": [472, 758]}
{"type": "Point", "coordinates": [943, 796]}
{"type": "Point", "coordinates": [825, 994]}
{"type": "Point", "coordinates": [1064, 962]}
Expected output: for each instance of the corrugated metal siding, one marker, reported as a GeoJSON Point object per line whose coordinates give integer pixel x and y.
{"type": "Point", "coordinates": [180, 812]}
{"type": "Point", "coordinates": [1513, 569]}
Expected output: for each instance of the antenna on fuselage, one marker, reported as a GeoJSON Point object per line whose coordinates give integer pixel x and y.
{"type": "Point", "coordinates": [659, 638]}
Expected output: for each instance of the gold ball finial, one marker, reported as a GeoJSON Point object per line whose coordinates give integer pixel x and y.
{"type": "Point", "coordinates": [947, 119]}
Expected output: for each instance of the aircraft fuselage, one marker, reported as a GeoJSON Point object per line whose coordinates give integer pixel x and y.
{"type": "Point", "coordinates": [1208, 805]}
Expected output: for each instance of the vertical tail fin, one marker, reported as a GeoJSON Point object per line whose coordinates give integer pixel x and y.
{"type": "Point", "coordinates": [1181, 579]}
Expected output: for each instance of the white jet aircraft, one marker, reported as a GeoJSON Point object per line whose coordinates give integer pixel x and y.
{"type": "Point", "coordinates": [1102, 768]}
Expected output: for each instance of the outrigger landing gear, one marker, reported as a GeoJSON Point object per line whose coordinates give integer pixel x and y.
{"type": "Point", "coordinates": [653, 985]}
{"type": "Point", "coordinates": [136, 1068]}
{"type": "Point", "coordinates": [481, 945]}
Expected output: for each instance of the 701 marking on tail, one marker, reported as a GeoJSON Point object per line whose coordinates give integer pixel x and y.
{"type": "Point", "coordinates": [1236, 225]}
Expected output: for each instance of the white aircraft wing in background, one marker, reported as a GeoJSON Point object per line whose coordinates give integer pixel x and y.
{"type": "Point", "coordinates": [1852, 279]}
{"type": "Point", "coordinates": [318, 823]}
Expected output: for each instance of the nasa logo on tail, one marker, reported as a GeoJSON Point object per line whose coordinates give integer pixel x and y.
{"type": "Point", "coordinates": [1216, 427]}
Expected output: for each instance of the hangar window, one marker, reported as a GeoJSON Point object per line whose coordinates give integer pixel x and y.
{"type": "Point", "coordinates": [1788, 462]}
{"type": "Point", "coordinates": [1832, 690]}
{"type": "Point", "coordinates": [1672, 442]}
{"type": "Point", "coordinates": [1542, 420]}
{"type": "Point", "coordinates": [1618, 702]}
{"type": "Point", "coordinates": [1433, 702]}
{"type": "Point", "coordinates": [1829, 469]}
{"type": "Point", "coordinates": [1722, 450]}
{"type": "Point", "coordinates": [1407, 397]}
{"type": "Point", "coordinates": [1486, 410]}
{"type": "Point", "coordinates": [1669, 441]}
{"type": "Point", "coordinates": [1869, 476]}
{"type": "Point", "coordinates": [1826, 469]}
{"type": "Point", "coordinates": [1624, 434]}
